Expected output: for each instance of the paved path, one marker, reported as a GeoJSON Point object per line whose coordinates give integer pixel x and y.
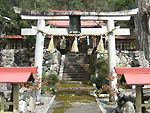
{"type": "Point", "coordinates": [74, 103]}
{"type": "Point", "coordinates": [78, 107]}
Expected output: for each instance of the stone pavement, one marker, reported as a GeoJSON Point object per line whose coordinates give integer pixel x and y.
{"type": "Point", "coordinates": [78, 107]}
{"type": "Point", "coordinates": [47, 102]}
{"type": "Point", "coordinates": [74, 98]}
{"type": "Point", "coordinates": [74, 103]}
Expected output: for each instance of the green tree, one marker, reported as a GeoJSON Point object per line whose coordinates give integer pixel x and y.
{"type": "Point", "coordinates": [117, 5]}
{"type": "Point", "coordinates": [10, 23]}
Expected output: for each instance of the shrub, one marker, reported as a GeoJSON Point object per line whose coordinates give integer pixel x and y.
{"type": "Point", "coordinates": [99, 71]}
{"type": "Point", "coordinates": [51, 78]}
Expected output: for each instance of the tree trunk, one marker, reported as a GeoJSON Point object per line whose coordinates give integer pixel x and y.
{"type": "Point", "coordinates": [142, 26]}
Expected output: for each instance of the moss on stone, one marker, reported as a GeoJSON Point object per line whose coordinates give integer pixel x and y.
{"type": "Point", "coordinates": [65, 98]}
{"type": "Point", "coordinates": [61, 109]}
{"type": "Point", "coordinates": [62, 106]}
{"type": "Point", "coordinates": [75, 97]}
{"type": "Point", "coordinates": [73, 85]}
{"type": "Point", "coordinates": [64, 103]}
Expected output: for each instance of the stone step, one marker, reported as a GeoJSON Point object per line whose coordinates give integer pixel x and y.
{"type": "Point", "coordinates": [74, 64]}
{"type": "Point", "coordinates": [82, 57]}
{"type": "Point", "coordinates": [73, 55]}
{"type": "Point", "coordinates": [75, 79]}
{"type": "Point", "coordinates": [77, 59]}
{"type": "Point", "coordinates": [76, 71]}
{"type": "Point", "coordinates": [76, 74]}
{"type": "Point", "coordinates": [75, 89]}
{"type": "Point", "coordinates": [76, 67]}
{"type": "Point", "coordinates": [74, 86]}
{"type": "Point", "coordinates": [76, 82]}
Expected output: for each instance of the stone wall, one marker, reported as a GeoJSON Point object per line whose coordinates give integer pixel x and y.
{"type": "Point", "coordinates": [128, 58]}
{"type": "Point", "coordinates": [7, 57]}
{"type": "Point", "coordinates": [131, 59]}
{"type": "Point", "coordinates": [51, 61]}
{"type": "Point", "coordinates": [25, 57]}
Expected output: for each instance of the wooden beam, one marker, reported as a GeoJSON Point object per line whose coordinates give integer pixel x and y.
{"type": "Point", "coordinates": [138, 99]}
{"type": "Point", "coordinates": [2, 104]}
{"type": "Point", "coordinates": [15, 97]}
{"type": "Point", "coordinates": [38, 13]}
{"type": "Point", "coordinates": [145, 105]}
{"type": "Point", "coordinates": [83, 18]}
{"type": "Point", "coordinates": [84, 31]}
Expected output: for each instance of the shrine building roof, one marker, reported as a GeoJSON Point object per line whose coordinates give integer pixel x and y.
{"type": "Point", "coordinates": [11, 36]}
{"type": "Point", "coordinates": [134, 75]}
{"type": "Point", "coordinates": [17, 74]}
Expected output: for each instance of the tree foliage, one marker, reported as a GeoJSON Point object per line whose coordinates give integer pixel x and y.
{"type": "Point", "coordinates": [10, 23]}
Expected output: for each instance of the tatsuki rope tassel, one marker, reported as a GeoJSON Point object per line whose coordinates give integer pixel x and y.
{"type": "Point", "coordinates": [51, 45]}
{"type": "Point", "coordinates": [75, 46]}
{"type": "Point", "coordinates": [100, 46]}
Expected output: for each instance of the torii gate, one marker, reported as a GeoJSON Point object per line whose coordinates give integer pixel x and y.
{"type": "Point", "coordinates": [41, 30]}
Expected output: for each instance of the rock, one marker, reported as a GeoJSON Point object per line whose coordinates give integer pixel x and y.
{"type": "Point", "coordinates": [7, 58]}
{"type": "Point", "coordinates": [117, 60]}
{"type": "Point", "coordinates": [23, 57]}
{"type": "Point", "coordinates": [140, 60]}
{"type": "Point", "coordinates": [3, 86]}
{"type": "Point", "coordinates": [125, 99]}
{"type": "Point", "coordinates": [25, 93]}
{"type": "Point", "coordinates": [126, 95]}
{"type": "Point", "coordinates": [128, 107]}
{"type": "Point", "coordinates": [117, 110]}
{"type": "Point", "coordinates": [51, 60]}
{"type": "Point", "coordinates": [4, 89]}
{"type": "Point", "coordinates": [131, 59]}
{"type": "Point", "coordinates": [32, 105]}
{"type": "Point", "coordinates": [22, 107]}
{"type": "Point", "coordinates": [22, 90]}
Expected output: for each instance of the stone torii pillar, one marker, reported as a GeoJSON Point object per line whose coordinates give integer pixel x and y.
{"type": "Point", "coordinates": [39, 52]}
{"type": "Point", "coordinates": [38, 49]}
{"type": "Point", "coordinates": [112, 61]}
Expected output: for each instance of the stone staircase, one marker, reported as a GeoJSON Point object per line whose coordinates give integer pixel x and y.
{"type": "Point", "coordinates": [76, 67]}
{"type": "Point", "coordinates": [74, 92]}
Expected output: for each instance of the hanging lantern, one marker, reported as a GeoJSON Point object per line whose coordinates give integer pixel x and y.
{"type": "Point", "coordinates": [74, 24]}
{"type": "Point", "coordinates": [75, 46]}
{"type": "Point", "coordinates": [51, 45]}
